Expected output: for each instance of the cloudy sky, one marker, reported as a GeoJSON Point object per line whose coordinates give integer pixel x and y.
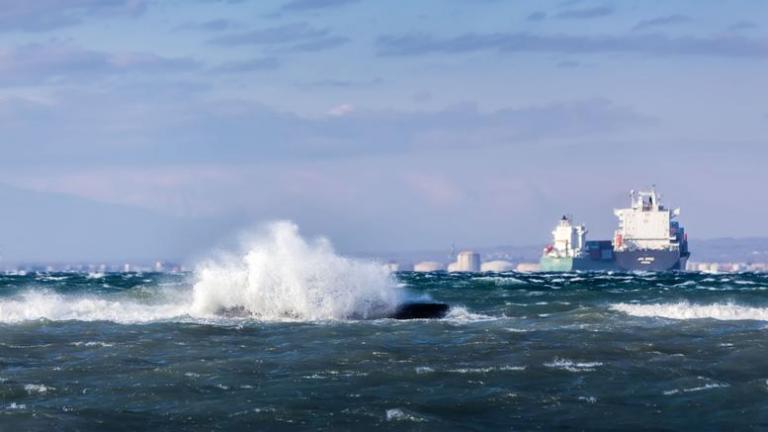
{"type": "Point", "coordinates": [155, 128]}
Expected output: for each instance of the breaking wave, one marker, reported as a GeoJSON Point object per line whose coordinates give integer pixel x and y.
{"type": "Point", "coordinates": [687, 311]}
{"type": "Point", "coordinates": [280, 276]}
{"type": "Point", "coordinates": [283, 276]}
{"type": "Point", "coordinates": [36, 305]}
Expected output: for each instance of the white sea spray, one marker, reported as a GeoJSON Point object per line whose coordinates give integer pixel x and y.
{"type": "Point", "coordinates": [684, 310]}
{"type": "Point", "coordinates": [278, 276]}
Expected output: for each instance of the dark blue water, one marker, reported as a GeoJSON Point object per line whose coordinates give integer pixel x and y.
{"type": "Point", "coordinates": [517, 351]}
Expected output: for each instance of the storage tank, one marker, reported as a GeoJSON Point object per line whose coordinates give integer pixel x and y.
{"type": "Point", "coordinates": [466, 261]}
{"type": "Point", "coordinates": [498, 266]}
{"type": "Point", "coordinates": [428, 266]}
{"type": "Point", "coordinates": [528, 267]}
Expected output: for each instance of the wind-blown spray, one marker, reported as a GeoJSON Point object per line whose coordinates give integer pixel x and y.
{"type": "Point", "coordinates": [279, 276]}
{"type": "Point", "coordinates": [283, 276]}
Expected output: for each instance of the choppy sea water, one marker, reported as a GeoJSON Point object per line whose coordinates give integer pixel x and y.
{"type": "Point", "coordinates": [517, 351]}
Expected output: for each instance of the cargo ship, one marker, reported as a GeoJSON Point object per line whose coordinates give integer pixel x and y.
{"type": "Point", "coordinates": [570, 250]}
{"type": "Point", "coordinates": [647, 239]}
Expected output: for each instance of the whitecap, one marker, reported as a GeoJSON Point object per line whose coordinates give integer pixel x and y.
{"type": "Point", "coordinates": [500, 280]}
{"type": "Point", "coordinates": [92, 344]}
{"type": "Point", "coordinates": [397, 414]}
{"type": "Point", "coordinates": [744, 282]}
{"type": "Point", "coordinates": [686, 311]}
{"type": "Point", "coordinates": [572, 366]}
{"type": "Point", "coordinates": [460, 314]}
{"type": "Point", "coordinates": [709, 386]}
{"type": "Point", "coordinates": [49, 278]}
{"type": "Point", "coordinates": [484, 370]}
{"type": "Point", "coordinates": [37, 388]}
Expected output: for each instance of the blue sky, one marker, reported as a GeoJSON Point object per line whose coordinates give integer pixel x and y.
{"type": "Point", "coordinates": [157, 128]}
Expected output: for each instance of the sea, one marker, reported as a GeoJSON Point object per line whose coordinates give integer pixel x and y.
{"type": "Point", "coordinates": [288, 335]}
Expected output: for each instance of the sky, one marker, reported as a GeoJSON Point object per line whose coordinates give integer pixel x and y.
{"type": "Point", "coordinates": [142, 129]}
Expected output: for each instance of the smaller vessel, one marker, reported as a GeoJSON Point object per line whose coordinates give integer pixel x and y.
{"type": "Point", "coordinates": [570, 250]}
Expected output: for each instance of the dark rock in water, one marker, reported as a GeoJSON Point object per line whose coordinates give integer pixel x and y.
{"type": "Point", "coordinates": [421, 311]}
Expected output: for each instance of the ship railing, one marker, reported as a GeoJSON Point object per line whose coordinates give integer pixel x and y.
{"type": "Point", "coordinates": [632, 247]}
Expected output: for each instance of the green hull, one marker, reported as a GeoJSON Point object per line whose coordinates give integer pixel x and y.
{"type": "Point", "coordinates": [550, 264]}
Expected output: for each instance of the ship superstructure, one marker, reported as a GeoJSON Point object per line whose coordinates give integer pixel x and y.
{"type": "Point", "coordinates": [570, 250]}
{"type": "Point", "coordinates": [568, 239]}
{"type": "Point", "coordinates": [648, 238]}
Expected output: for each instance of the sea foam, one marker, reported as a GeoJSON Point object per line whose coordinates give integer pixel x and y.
{"type": "Point", "coordinates": [687, 311]}
{"type": "Point", "coordinates": [283, 276]}
{"type": "Point", "coordinates": [278, 276]}
{"type": "Point", "coordinates": [44, 304]}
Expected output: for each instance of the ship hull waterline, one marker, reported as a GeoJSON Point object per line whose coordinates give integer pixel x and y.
{"type": "Point", "coordinates": [629, 261]}
{"type": "Point", "coordinates": [649, 260]}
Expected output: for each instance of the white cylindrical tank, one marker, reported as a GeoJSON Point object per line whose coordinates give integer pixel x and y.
{"type": "Point", "coordinates": [467, 261]}
{"type": "Point", "coordinates": [498, 266]}
{"type": "Point", "coordinates": [428, 266]}
{"type": "Point", "coordinates": [528, 267]}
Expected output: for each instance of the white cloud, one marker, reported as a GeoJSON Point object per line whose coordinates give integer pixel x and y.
{"type": "Point", "coordinates": [45, 15]}
{"type": "Point", "coordinates": [49, 63]}
{"type": "Point", "coordinates": [341, 110]}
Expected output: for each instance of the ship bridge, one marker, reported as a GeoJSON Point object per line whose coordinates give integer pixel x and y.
{"type": "Point", "coordinates": [568, 239]}
{"type": "Point", "coordinates": [646, 224]}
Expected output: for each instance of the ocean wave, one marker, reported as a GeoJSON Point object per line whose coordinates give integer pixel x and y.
{"type": "Point", "coordinates": [709, 386]}
{"type": "Point", "coordinates": [573, 366]}
{"type": "Point", "coordinates": [280, 277]}
{"type": "Point", "coordinates": [92, 344]}
{"type": "Point", "coordinates": [423, 370]}
{"type": "Point", "coordinates": [38, 388]}
{"type": "Point", "coordinates": [398, 414]}
{"type": "Point", "coordinates": [460, 314]}
{"type": "Point", "coordinates": [47, 305]}
{"type": "Point", "coordinates": [500, 280]}
{"type": "Point", "coordinates": [687, 311]}
{"type": "Point", "coordinates": [484, 370]}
